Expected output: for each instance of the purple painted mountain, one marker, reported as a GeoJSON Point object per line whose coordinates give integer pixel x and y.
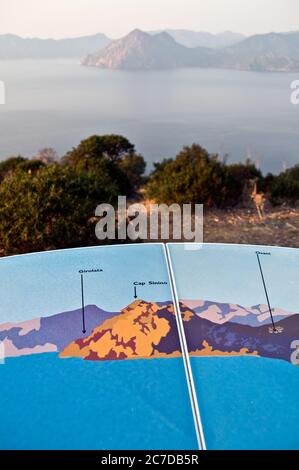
{"type": "Point", "coordinates": [236, 337]}
{"type": "Point", "coordinates": [49, 334]}
{"type": "Point", "coordinates": [221, 313]}
{"type": "Point", "coordinates": [205, 338]}
{"type": "Point", "coordinates": [149, 330]}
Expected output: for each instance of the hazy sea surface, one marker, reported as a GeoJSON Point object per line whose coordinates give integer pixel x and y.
{"type": "Point", "coordinates": [58, 102]}
{"type": "Point", "coordinates": [51, 403]}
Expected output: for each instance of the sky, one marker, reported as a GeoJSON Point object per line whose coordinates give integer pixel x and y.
{"type": "Point", "coordinates": [230, 274]}
{"type": "Point", "coordinates": [70, 18]}
{"type": "Point", "coordinates": [43, 284]}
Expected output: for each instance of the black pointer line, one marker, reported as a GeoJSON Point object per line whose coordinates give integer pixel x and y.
{"type": "Point", "coordinates": [83, 308]}
{"type": "Point", "coordinates": [135, 292]}
{"type": "Point", "coordinates": [265, 289]}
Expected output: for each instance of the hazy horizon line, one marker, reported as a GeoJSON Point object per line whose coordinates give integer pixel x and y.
{"type": "Point", "coordinates": [146, 31]}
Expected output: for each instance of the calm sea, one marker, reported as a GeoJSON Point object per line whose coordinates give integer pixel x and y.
{"type": "Point", "coordinates": [58, 102]}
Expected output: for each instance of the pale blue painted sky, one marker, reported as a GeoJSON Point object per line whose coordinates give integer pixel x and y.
{"type": "Point", "coordinates": [231, 274]}
{"type": "Point", "coordinates": [43, 284]}
{"type": "Point", "coordinates": [47, 283]}
{"type": "Point", "coordinates": [61, 18]}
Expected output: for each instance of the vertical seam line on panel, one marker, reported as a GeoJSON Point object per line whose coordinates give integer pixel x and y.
{"type": "Point", "coordinates": [185, 354]}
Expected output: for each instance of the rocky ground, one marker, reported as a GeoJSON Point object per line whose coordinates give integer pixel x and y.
{"type": "Point", "coordinates": [280, 227]}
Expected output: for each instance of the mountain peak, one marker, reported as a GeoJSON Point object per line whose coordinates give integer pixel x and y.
{"type": "Point", "coordinates": [140, 50]}
{"type": "Point", "coordinates": [137, 33]}
{"type": "Point", "coordinates": [136, 332]}
{"type": "Point", "coordinates": [175, 49]}
{"type": "Point", "coordinates": [141, 36]}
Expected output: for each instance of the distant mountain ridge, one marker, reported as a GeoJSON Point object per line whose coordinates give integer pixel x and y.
{"type": "Point", "coordinates": [275, 52]}
{"type": "Point", "coordinates": [140, 50]}
{"type": "Point", "coordinates": [50, 334]}
{"type": "Point", "coordinates": [202, 38]}
{"type": "Point", "coordinates": [167, 49]}
{"type": "Point", "coordinates": [16, 47]}
{"type": "Point", "coordinates": [13, 46]}
{"type": "Point", "coordinates": [221, 313]}
{"type": "Point", "coordinates": [148, 330]}
{"type": "Point", "coordinates": [145, 330]}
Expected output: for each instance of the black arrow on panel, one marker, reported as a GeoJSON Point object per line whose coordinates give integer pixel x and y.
{"type": "Point", "coordinates": [83, 306]}
{"type": "Point", "coordinates": [266, 292]}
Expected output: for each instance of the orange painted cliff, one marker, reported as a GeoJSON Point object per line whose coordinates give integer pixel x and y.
{"type": "Point", "coordinates": [135, 332]}
{"type": "Point", "coordinates": [149, 330]}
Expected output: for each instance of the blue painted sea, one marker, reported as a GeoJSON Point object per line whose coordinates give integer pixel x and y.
{"type": "Point", "coordinates": [248, 402]}
{"type": "Point", "coordinates": [50, 403]}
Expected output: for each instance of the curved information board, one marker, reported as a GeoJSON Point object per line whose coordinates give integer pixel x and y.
{"type": "Point", "coordinates": [149, 346]}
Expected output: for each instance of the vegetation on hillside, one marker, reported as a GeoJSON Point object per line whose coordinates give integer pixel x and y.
{"type": "Point", "coordinates": [198, 177]}
{"type": "Point", "coordinates": [48, 203]}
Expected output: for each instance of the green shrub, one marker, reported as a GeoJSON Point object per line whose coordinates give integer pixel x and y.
{"type": "Point", "coordinates": [285, 186]}
{"type": "Point", "coordinates": [118, 155]}
{"type": "Point", "coordinates": [195, 176]}
{"type": "Point", "coordinates": [10, 165]}
{"type": "Point", "coordinates": [51, 208]}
